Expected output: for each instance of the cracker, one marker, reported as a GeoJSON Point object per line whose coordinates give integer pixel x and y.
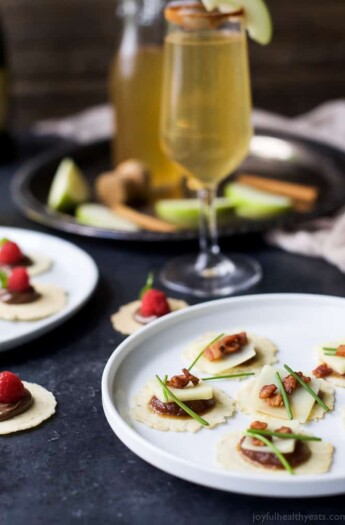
{"type": "Point", "coordinates": [40, 264]}
{"type": "Point", "coordinates": [52, 300]}
{"type": "Point", "coordinates": [43, 408]}
{"type": "Point", "coordinates": [124, 322]}
{"type": "Point", "coordinates": [141, 412]}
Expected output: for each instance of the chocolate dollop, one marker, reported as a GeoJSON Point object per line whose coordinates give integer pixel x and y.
{"type": "Point", "coordinates": [10, 410]}
{"type": "Point", "coordinates": [9, 297]}
{"type": "Point", "coordinates": [200, 406]}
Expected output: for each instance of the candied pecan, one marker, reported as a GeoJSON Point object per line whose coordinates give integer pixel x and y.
{"type": "Point", "coordinates": [228, 344]}
{"type": "Point", "coordinates": [275, 401]}
{"type": "Point", "coordinates": [284, 430]}
{"type": "Point", "coordinates": [267, 391]}
{"type": "Point", "coordinates": [304, 378]}
{"type": "Point", "coordinates": [290, 384]}
{"type": "Point", "coordinates": [341, 351]}
{"type": "Point", "coordinates": [258, 425]}
{"type": "Point", "coordinates": [322, 371]}
{"type": "Point", "coordinates": [182, 381]}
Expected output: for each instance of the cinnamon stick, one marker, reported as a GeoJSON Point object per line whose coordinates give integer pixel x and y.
{"type": "Point", "coordinates": [147, 222]}
{"type": "Point", "coordinates": [296, 191]}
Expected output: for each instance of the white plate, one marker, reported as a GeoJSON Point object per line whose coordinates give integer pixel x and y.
{"type": "Point", "coordinates": [296, 323]}
{"type": "Point", "coordinates": [72, 269]}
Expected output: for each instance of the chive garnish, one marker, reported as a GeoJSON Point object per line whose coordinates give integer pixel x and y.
{"type": "Point", "coordinates": [3, 280]}
{"type": "Point", "coordinates": [203, 350]}
{"type": "Point", "coordinates": [184, 407]}
{"type": "Point", "coordinates": [327, 349]}
{"type": "Point", "coordinates": [244, 374]}
{"type": "Point", "coordinates": [274, 449]}
{"type": "Point", "coordinates": [148, 285]}
{"type": "Point", "coordinates": [283, 435]}
{"type": "Point", "coordinates": [332, 354]}
{"type": "Point", "coordinates": [164, 392]}
{"type": "Point", "coordinates": [284, 396]}
{"type": "Point", "coordinates": [307, 388]}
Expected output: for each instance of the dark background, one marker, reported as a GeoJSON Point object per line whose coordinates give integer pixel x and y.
{"type": "Point", "coordinates": [60, 52]}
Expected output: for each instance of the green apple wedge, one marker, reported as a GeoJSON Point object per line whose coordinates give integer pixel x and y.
{"type": "Point", "coordinates": [185, 213]}
{"type": "Point", "coordinates": [100, 216]}
{"type": "Point", "coordinates": [251, 203]}
{"type": "Point", "coordinates": [257, 16]}
{"type": "Point", "coordinates": [69, 187]}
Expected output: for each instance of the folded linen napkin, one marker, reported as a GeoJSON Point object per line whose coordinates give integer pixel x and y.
{"type": "Point", "coordinates": [324, 238]}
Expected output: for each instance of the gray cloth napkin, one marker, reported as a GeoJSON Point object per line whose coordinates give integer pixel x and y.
{"type": "Point", "coordinates": [323, 238]}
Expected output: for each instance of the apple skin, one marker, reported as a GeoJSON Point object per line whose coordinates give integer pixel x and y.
{"type": "Point", "coordinates": [185, 213]}
{"type": "Point", "coordinates": [251, 203]}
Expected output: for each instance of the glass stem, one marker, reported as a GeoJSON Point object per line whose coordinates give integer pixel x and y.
{"type": "Point", "coordinates": [209, 249]}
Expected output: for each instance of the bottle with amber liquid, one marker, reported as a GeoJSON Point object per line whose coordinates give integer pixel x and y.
{"type": "Point", "coordinates": [135, 89]}
{"type": "Point", "coordinates": [6, 143]}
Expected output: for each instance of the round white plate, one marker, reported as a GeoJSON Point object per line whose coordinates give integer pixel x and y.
{"type": "Point", "coordinates": [72, 269]}
{"type": "Point", "coordinates": [296, 323]}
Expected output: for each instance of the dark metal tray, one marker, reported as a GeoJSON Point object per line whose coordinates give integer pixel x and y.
{"type": "Point", "coordinates": [277, 155]}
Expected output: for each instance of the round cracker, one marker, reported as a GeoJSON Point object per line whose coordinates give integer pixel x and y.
{"type": "Point", "coordinates": [124, 322]}
{"type": "Point", "coordinates": [141, 412]}
{"type": "Point", "coordinates": [43, 408]}
{"type": "Point", "coordinates": [40, 264]}
{"type": "Point", "coordinates": [229, 457]}
{"type": "Point", "coordinates": [317, 412]}
{"type": "Point", "coordinates": [52, 300]}
{"type": "Point", "coordinates": [265, 354]}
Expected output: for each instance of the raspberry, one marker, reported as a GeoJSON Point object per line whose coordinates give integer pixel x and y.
{"type": "Point", "coordinates": [18, 280]}
{"type": "Point", "coordinates": [154, 302]}
{"type": "Point", "coordinates": [11, 388]}
{"type": "Point", "coordinates": [10, 253]}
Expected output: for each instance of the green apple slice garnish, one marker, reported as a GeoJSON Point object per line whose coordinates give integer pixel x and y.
{"type": "Point", "coordinates": [100, 216]}
{"type": "Point", "coordinates": [256, 204]}
{"type": "Point", "coordinates": [69, 187]}
{"type": "Point", "coordinates": [257, 16]}
{"type": "Point", "coordinates": [185, 213]}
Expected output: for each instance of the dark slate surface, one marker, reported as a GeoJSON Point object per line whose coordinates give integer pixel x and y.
{"type": "Point", "coordinates": [73, 469]}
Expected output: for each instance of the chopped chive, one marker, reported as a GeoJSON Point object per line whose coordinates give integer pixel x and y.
{"type": "Point", "coordinates": [184, 407]}
{"type": "Point", "coordinates": [164, 392]}
{"type": "Point", "coordinates": [307, 388]}
{"type": "Point", "coordinates": [203, 350]}
{"type": "Point", "coordinates": [283, 435]}
{"type": "Point", "coordinates": [274, 449]}
{"type": "Point", "coordinates": [245, 374]}
{"type": "Point", "coordinates": [148, 285]}
{"type": "Point", "coordinates": [284, 396]}
{"type": "Point", "coordinates": [3, 280]}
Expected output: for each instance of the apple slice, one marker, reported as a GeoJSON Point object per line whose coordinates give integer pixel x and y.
{"type": "Point", "coordinates": [255, 204]}
{"type": "Point", "coordinates": [69, 187]}
{"type": "Point", "coordinates": [101, 217]}
{"type": "Point", "coordinates": [185, 213]}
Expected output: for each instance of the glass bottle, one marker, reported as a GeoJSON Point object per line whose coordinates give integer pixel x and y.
{"type": "Point", "coordinates": [135, 86]}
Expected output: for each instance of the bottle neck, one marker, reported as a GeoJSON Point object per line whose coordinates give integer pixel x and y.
{"type": "Point", "coordinates": [143, 22]}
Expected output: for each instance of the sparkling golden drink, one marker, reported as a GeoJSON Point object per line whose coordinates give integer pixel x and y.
{"type": "Point", "coordinates": [136, 91]}
{"type": "Point", "coordinates": [206, 126]}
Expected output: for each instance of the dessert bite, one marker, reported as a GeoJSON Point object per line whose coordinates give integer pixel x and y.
{"type": "Point", "coordinates": [231, 352]}
{"type": "Point", "coordinates": [20, 300]}
{"type": "Point", "coordinates": [183, 403]}
{"type": "Point", "coordinates": [331, 357]}
{"type": "Point", "coordinates": [274, 448]}
{"type": "Point", "coordinates": [23, 405]}
{"type": "Point", "coordinates": [286, 394]}
{"type": "Point", "coordinates": [11, 256]}
{"type": "Point", "coordinates": [151, 305]}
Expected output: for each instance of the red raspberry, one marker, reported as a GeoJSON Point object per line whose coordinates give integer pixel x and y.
{"type": "Point", "coordinates": [18, 280]}
{"type": "Point", "coordinates": [10, 253]}
{"type": "Point", "coordinates": [11, 388]}
{"type": "Point", "coordinates": [154, 302]}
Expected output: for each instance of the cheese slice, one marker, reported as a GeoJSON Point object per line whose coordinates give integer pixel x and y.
{"type": "Point", "coordinates": [335, 362]}
{"type": "Point", "coordinates": [228, 361]}
{"type": "Point", "coordinates": [301, 401]}
{"type": "Point", "coordinates": [189, 393]}
{"type": "Point", "coordinates": [285, 446]}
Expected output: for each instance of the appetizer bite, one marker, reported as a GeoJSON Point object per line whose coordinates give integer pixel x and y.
{"type": "Point", "coordinates": [183, 403]}
{"type": "Point", "coordinates": [274, 448]}
{"type": "Point", "coordinates": [151, 305]}
{"type": "Point", "coordinates": [286, 394]}
{"type": "Point", "coordinates": [231, 352]}
{"type": "Point", "coordinates": [20, 300]}
{"type": "Point", "coordinates": [332, 363]}
{"type": "Point", "coordinates": [23, 405]}
{"type": "Point", "coordinates": [11, 256]}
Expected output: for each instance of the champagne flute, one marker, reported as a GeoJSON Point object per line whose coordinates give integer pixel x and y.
{"type": "Point", "coordinates": [206, 130]}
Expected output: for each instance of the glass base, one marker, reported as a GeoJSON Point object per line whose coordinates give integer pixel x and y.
{"type": "Point", "coordinates": [226, 276]}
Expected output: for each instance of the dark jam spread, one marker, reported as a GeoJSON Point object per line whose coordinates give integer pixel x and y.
{"type": "Point", "coordinates": [200, 407]}
{"type": "Point", "coordinates": [142, 319]}
{"type": "Point", "coordinates": [300, 455]}
{"type": "Point", "coordinates": [24, 262]}
{"type": "Point", "coordinates": [29, 296]}
{"type": "Point", "coordinates": [10, 410]}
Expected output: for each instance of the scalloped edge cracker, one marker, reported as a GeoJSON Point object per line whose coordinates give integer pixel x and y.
{"type": "Point", "coordinates": [41, 410]}
{"type": "Point", "coordinates": [334, 379]}
{"type": "Point", "coordinates": [41, 264]}
{"type": "Point", "coordinates": [229, 458]}
{"type": "Point", "coordinates": [52, 301]}
{"type": "Point", "coordinates": [124, 322]}
{"type": "Point", "coordinates": [141, 412]}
